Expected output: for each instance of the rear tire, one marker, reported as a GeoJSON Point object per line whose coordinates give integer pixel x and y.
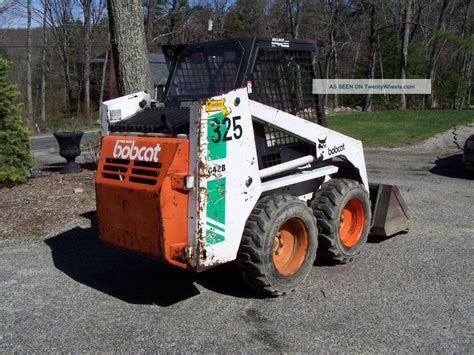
{"type": "Point", "coordinates": [342, 211]}
{"type": "Point", "coordinates": [278, 245]}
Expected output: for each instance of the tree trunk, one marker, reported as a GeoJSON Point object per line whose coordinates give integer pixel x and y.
{"type": "Point", "coordinates": [127, 35]}
{"type": "Point", "coordinates": [60, 15]}
{"type": "Point", "coordinates": [433, 53]}
{"type": "Point", "coordinates": [404, 49]}
{"type": "Point", "coordinates": [29, 93]}
{"type": "Point", "coordinates": [102, 82]}
{"type": "Point", "coordinates": [87, 8]}
{"type": "Point", "coordinates": [71, 101]}
{"type": "Point", "coordinates": [43, 62]}
{"type": "Point", "coordinates": [293, 8]}
{"type": "Point", "coordinates": [333, 57]}
{"type": "Point", "coordinates": [335, 70]}
{"type": "Point", "coordinates": [172, 21]}
{"type": "Point", "coordinates": [372, 50]}
{"type": "Point", "coordinates": [463, 88]}
{"type": "Point", "coordinates": [464, 91]}
{"type": "Point", "coordinates": [149, 22]}
{"type": "Point", "coordinates": [327, 71]}
{"type": "Point", "coordinates": [417, 20]}
{"type": "Point", "coordinates": [468, 79]}
{"type": "Point", "coordinates": [355, 58]}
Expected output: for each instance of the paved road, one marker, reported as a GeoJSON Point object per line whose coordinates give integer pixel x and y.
{"type": "Point", "coordinates": [46, 149]}
{"type": "Point", "coordinates": [410, 293]}
{"type": "Point", "coordinates": [48, 142]}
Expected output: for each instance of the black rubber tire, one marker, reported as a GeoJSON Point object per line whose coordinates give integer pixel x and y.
{"type": "Point", "coordinates": [255, 256]}
{"type": "Point", "coordinates": [327, 205]}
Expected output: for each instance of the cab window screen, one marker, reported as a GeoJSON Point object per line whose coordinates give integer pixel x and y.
{"type": "Point", "coordinates": [205, 70]}
{"type": "Point", "coordinates": [282, 78]}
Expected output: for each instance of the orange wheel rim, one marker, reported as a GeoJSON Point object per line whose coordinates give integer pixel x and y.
{"type": "Point", "coordinates": [352, 222]}
{"type": "Point", "coordinates": [290, 246]}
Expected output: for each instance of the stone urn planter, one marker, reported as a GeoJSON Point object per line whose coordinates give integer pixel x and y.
{"type": "Point", "coordinates": [69, 149]}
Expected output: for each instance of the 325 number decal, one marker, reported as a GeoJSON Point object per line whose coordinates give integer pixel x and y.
{"type": "Point", "coordinates": [232, 129]}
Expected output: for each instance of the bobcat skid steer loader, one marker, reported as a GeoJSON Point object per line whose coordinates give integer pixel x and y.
{"type": "Point", "coordinates": [236, 163]}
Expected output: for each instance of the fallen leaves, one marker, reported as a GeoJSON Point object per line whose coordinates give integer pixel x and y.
{"type": "Point", "coordinates": [45, 205]}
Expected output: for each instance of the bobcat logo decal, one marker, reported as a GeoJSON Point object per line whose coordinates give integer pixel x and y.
{"type": "Point", "coordinates": [322, 143]}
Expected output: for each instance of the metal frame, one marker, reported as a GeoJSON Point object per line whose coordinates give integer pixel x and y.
{"type": "Point", "coordinates": [291, 51]}
{"type": "Point", "coordinates": [227, 180]}
{"type": "Point", "coordinates": [243, 182]}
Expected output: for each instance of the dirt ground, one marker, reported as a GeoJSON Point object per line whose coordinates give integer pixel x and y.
{"type": "Point", "coordinates": [61, 289]}
{"type": "Point", "coordinates": [51, 203]}
{"type": "Point", "coordinates": [47, 204]}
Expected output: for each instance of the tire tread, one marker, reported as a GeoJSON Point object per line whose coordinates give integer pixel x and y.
{"type": "Point", "coordinates": [250, 257]}
{"type": "Point", "coordinates": [325, 205]}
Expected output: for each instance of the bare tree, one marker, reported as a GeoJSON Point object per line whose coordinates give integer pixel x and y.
{"type": "Point", "coordinates": [151, 11]}
{"type": "Point", "coordinates": [127, 35]}
{"type": "Point", "coordinates": [43, 61]}
{"type": "Point", "coordinates": [404, 48]}
{"type": "Point", "coordinates": [371, 55]}
{"type": "Point", "coordinates": [433, 51]}
{"type": "Point", "coordinates": [465, 90]}
{"type": "Point", "coordinates": [294, 10]}
{"type": "Point", "coordinates": [331, 8]}
{"type": "Point", "coordinates": [6, 5]}
{"type": "Point", "coordinates": [102, 80]}
{"type": "Point", "coordinates": [439, 31]}
{"type": "Point", "coordinates": [29, 94]}
{"type": "Point", "coordinates": [219, 10]}
{"type": "Point", "coordinates": [87, 11]}
{"type": "Point", "coordinates": [172, 19]}
{"type": "Point", "coordinates": [60, 17]}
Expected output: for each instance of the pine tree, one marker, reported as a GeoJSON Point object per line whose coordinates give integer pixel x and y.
{"type": "Point", "coordinates": [15, 156]}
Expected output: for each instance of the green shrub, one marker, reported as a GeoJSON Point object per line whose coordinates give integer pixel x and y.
{"type": "Point", "coordinates": [15, 155]}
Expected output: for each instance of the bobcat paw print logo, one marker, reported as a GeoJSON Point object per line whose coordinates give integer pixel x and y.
{"type": "Point", "coordinates": [322, 144]}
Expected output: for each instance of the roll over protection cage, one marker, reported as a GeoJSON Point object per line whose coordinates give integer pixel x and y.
{"type": "Point", "coordinates": [276, 72]}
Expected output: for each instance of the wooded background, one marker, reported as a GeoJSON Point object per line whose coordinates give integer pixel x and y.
{"type": "Point", "coordinates": [54, 53]}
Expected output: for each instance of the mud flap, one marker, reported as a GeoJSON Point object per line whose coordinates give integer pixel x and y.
{"type": "Point", "coordinates": [389, 210]}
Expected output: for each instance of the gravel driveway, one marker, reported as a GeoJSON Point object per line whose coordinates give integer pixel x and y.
{"type": "Point", "coordinates": [410, 293]}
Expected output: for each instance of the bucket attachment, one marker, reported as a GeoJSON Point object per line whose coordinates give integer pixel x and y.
{"type": "Point", "coordinates": [389, 210]}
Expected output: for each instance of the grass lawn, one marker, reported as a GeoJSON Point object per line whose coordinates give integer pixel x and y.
{"type": "Point", "coordinates": [396, 128]}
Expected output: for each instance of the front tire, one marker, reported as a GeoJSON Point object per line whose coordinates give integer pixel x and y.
{"type": "Point", "coordinates": [278, 246]}
{"type": "Point", "coordinates": [342, 210]}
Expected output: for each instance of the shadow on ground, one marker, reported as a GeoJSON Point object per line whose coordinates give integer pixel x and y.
{"type": "Point", "coordinates": [324, 260]}
{"type": "Point", "coordinates": [450, 166]}
{"type": "Point", "coordinates": [134, 278]}
{"type": "Point", "coordinates": [56, 167]}
{"type": "Point", "coordinates": [376, 239]}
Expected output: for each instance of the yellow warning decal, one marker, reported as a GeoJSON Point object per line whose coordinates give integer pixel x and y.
{"type": "Point", "coordinates": [217, 105]}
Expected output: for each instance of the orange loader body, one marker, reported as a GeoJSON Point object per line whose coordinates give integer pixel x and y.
{"type": "Point", "coordinates": [142, 204]}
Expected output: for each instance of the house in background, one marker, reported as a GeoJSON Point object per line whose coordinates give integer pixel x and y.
{"type": "Point", "coordinates": [159, 75]}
